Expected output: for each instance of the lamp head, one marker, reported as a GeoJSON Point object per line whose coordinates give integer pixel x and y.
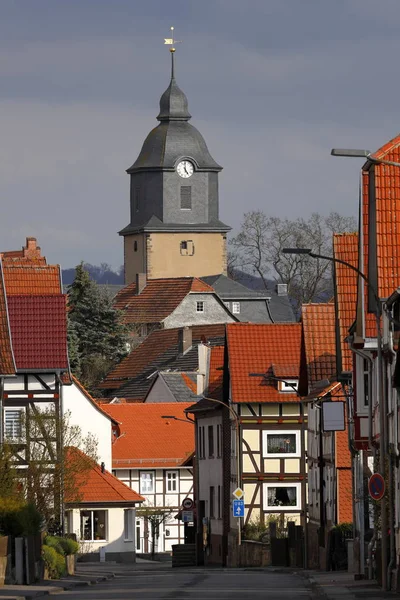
{"type": "Point", "coordinates": [352, 153]}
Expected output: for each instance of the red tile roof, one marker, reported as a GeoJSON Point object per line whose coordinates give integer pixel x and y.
{"type": "Point", "coordinates": [151, 351]}
{"type": "Point", "coordinates": [345, 496]}
{"type": "Point", "coordinates": [345, 247]}
{"type": "Point", "coordinates": [7, 364]}
{"type": "Point", "coordinates": [263, 348]}
{"type": "Point", "coordinates": [95, 485]}
{"type": "Point", "coordinates": [216, 373]}
{"type": "Point", "coordinates": [149, 441]}
{"type": "Point", "coordinates": [319, 340]}
{"type": "Point", "coordinates": [28, 278]}
{"type": "Point", "coordinates": [39, 331]}
{"type": "Point", "coordinates": [31, 252]}
{"type": "Point", "coordinates": [158, 299]}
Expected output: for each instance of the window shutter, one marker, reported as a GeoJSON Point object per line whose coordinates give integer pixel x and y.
{"type": "Point", "coordinates": [186, 196]}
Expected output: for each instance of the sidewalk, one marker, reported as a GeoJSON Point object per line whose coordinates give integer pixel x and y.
{"type": "Point", "coordinates": [340, 585]}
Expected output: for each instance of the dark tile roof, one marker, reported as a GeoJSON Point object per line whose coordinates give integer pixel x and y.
{"type": "Point", "coordinates": [178, 387]}
{"type": "Point", "coordinates": [157, 300]}
{"type": "Point", "coordinates": [160, 351]}
{"type": "Point", "coordinates": [39, 331]}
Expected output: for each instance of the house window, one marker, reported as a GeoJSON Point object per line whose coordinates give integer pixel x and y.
{"type": "Point", "coordinates": [200, 306]}
{"type": "Point", "coordinates": [219, 440]}
{"type": "Point", "coordinates": [12, 423]}
{"type": "Point", "coordinates": [202, 442]}
{"type": "Point", "coordinates": [366, 382]}
{"type": "Point", "coordinates": [146, 482]}
{"type": "Point", "coordinates": [289, 385]}
{"type": "Point", "coordinates": [236, 308]}
{"type": "Point", "coordinates": [128, 525]}
{"type": "Point", "coordinates": [135, 246]}
{"type": "Point", "coordinates": [277, 443]}
{"type": "Point", "coordinates": [281, 496]}
{"type": "Point", "coordinates": [93, 525]}
{"type": "Point", "coordinates": [219, 502]}
{"type": "Point", "coordinates": [172, 481]}
{"type": "Point", "coordinates": [138, 536]}
{"type": "Point", "coordinates": [212, 502]}
{"type": "Point", "coordinates": [210, 441]}
{"type": "Point", "coordinates": [186, 197]}
{"type": "Point", "coordinates": [187, 248]}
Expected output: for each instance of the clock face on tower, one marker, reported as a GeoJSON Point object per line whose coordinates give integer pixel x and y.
{"type": "Point", "coordinates": [185, 169]}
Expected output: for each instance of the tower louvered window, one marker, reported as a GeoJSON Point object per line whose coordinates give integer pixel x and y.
{"type": "Point", "coordinates": [186, 197]}
{"type": "Point", "coordinates": [136, 199]}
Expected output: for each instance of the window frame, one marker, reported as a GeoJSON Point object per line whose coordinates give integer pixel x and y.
{"type": "Point", "coordinates": [236, 308]}
{"type": "Point", "coordinates": [186, 196]}
{"type": "Point", "coordinates": [92, 538]}
{"type": "Point", "coordinates": [219, 440]}
{"type": "Point", "coordinates": [175, 481]}
{"type": "Point", "coordinates": [284, 388]}
{"type": "Point", "coordinates": [212, 502]}
{"type": "Point", "coordinates": [286, 484]}
{"type": "Point", "coordinates": [9, 409]}
{"type": "Point", "coordinates": [129, 525]}
{"type": "Point", "coordinates": [198, 302]}
{"type": "Point", "coordinates": [210, 439]}
{"type": "Point", "coordinates": [153, 479]}
{"type": "Point", "coordinates": [281, 432]}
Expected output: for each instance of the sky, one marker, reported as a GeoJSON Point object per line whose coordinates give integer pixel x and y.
{"type": "Point", "coordinates": [272, 85]}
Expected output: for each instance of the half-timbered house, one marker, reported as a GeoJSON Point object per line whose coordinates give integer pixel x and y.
{"type": "Point", "coordinates": [153, 453]}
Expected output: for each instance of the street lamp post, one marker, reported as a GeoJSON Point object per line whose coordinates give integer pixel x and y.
{"type": "Point", "coordinates": [381, 397]}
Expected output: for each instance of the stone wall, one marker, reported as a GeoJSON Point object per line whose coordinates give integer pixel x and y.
{"type": "Point", "coordinates": [249, 554]}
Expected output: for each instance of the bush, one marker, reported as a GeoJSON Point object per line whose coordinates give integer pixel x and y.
{"type": "Point", "coordinates": [18, 518]}
{"type": "Point", "coordinates": [54, 542]}
{"type": "Point", "coordinates": [60, 565]}
{"type": "Point", "coordinates": [49, 556]}
{"type": "Point", "coordinates": [69, 546]}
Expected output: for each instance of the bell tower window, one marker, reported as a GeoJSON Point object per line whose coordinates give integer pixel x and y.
{"type": "Point", "coordinates": [186, 197]}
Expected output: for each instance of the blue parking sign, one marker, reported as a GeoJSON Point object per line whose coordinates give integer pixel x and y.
{"type": "Point", "coordinates": [238, 508]}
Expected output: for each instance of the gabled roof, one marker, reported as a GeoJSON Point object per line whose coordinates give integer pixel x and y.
{"type": "Point", "coordinates": [38, 327]}
{"type": "Point", "coordinates": [230, 289]}
{"type": "Point", "coordinates": [158, 299]}
{"type": "Point", "coordinates": [147, 440]}
{"type": "Point", "coordinates": [26, 277]}
{"type": "Point", "coordinates": [159, 351]}
{"type": "Point", "coordinates": [182, 386]}
{"type": "Point", "coordinates": [7, 363]}
{"type": "Point", "coordinates": [319, 341]}
{"type": "Point", "coordinates": [99, 486]}
{"type": "Point", "coordinates": [263, 348]}
{"type": "Point", "coordinates": [216, 373]}
{"type": "Point", "coordinates": [92, 400]}
{"type": "Point", "coordinates": [345, 247]}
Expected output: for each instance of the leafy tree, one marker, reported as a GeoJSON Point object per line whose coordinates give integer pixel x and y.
{"type": "Point", "coordinates": [52, 475]}
{"type": "Point", "coordinates": [97, 340]}
{"type": "Point", "coordinates": [258, 248]}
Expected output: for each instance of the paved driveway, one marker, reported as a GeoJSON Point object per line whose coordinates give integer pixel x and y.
{"type": "Point", "coordinates": [195, 584]}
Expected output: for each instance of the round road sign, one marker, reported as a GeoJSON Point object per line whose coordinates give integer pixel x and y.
{"type": "Point", "coordinates": [376, 486]}
{"type": "Point", "coordinates": [187, 503]}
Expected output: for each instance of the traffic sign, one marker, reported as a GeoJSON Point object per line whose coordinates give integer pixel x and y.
{"type": "Point", "coordinates": [187, 503]}
{"type": "Point", "coordinates": [238, 493]}
{"type": "Point", "coordinates": [376, 486]}
{"type": "Point", "coordinates": [187, 516]}
{"type": "Point", "coordinates": [238, 508]}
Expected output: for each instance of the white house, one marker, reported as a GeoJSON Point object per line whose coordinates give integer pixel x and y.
{"type": "Point", "coordinates": [153, 452]}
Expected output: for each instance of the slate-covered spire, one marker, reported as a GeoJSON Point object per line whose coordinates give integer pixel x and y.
{"type": "Point", "coordinates": [173, 102]}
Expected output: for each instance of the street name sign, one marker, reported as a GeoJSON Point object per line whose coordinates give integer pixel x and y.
{"type": "Point", "coordinates": [238, 508]}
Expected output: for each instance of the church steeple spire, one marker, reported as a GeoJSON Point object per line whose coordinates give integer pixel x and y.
{"type": "Point", "coordinates": [173, 102]}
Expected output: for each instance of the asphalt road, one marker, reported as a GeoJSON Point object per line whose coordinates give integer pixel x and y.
{"type": "Point", "coordinates": [196, 584]}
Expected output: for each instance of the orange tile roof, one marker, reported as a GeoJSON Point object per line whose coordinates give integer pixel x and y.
{"type": "Point", "coordinates": [158, 299]}
{"type": "Point", "coordinates": [149, 441]}
{"type": "Point", "coordinates": [28, 278]}
{"type": "Point", "coordinates": [29, 253]}
{"type": "Point", "coordinates": [345, 496]}
{"type": "Point", "coordinates": [7, 363]}
{"type": "Point", "coordinates": [345, 247]}
{"type": "Point", "coordinates": [151, 352]}
{"type": "Point", "coordinates": [95, 485]}
{"type": "Point", "coordinates": [319, 339]}
{"type": "Point", "coordinates": [263, 348]}
{"type": "Point", "coordinates": [216, 373]}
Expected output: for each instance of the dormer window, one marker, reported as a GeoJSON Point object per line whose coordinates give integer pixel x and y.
{"type": "Point", "coordinates": [200, 307]}
{"type": "Point", "coordinates": [289, 385]}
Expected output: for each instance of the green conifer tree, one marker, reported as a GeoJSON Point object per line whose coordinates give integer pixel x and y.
{"type": "Point", "coordinates": [97, 339]}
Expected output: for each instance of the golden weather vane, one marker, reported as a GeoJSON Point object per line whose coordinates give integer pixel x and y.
{"type": "Point", "coordinates": [171, 41]}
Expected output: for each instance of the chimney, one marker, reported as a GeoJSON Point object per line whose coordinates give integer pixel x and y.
{"type": "Point", "coordinates": [141, 282]}
{"type": "Point", "coordinates": [185, 339]}
{"type": "Point", "coordinates": [281, 289]}
{"type": "Point", "coordinates": [103, 467]}
{"type": "Point", "coordinates": [31, 250]}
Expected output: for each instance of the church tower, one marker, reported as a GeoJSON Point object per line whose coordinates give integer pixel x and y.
{"type": "Point", "coordinates": [174, 229]}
